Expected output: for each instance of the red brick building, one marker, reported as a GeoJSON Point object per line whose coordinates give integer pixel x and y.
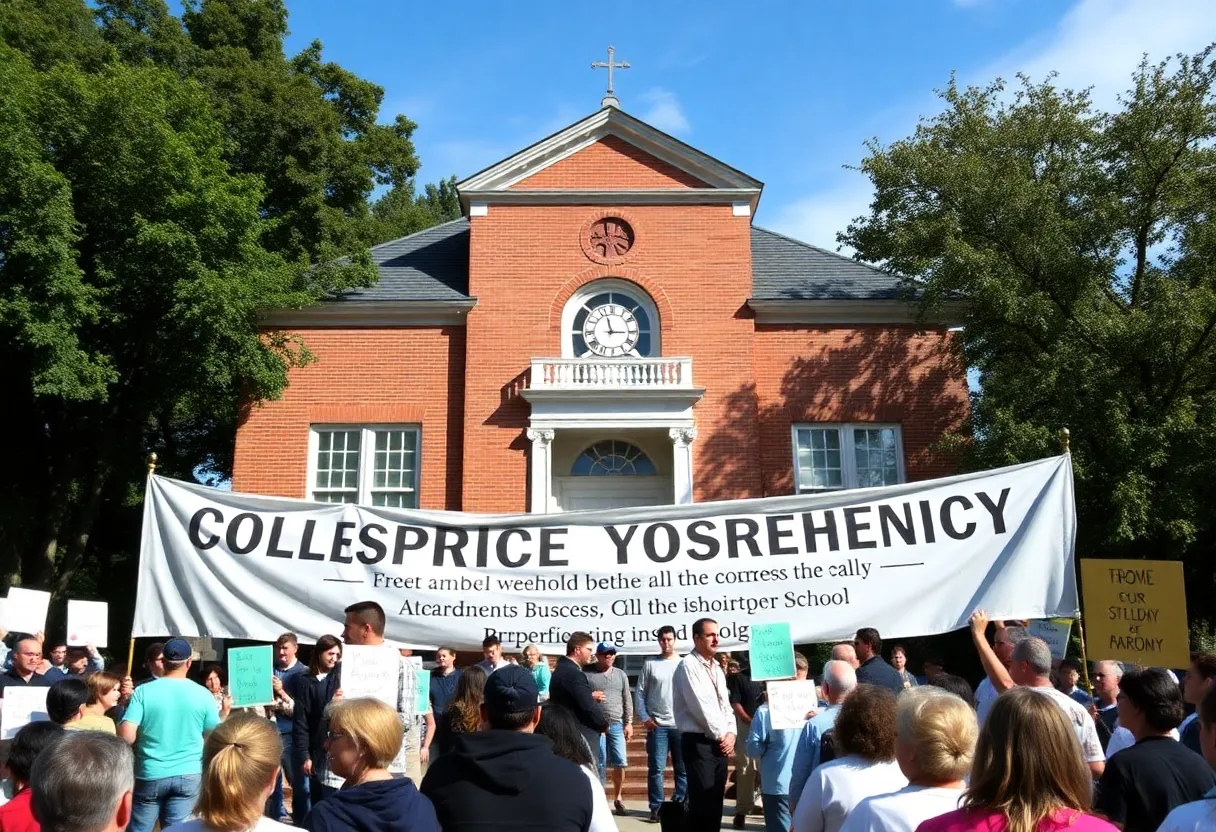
{"type": "Point", "coordinates": [605, 307]}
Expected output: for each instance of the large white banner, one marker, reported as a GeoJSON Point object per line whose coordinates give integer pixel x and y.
{"type": "Point", "coordinates": [911, 559]}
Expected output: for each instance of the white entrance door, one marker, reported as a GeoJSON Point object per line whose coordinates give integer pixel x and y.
{"type": "Point", "coordinates": [579, 493]}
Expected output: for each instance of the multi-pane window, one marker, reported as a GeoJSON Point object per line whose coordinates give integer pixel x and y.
{"type": "Point", "coordinates": [830, 457]}
{"type": "Point", "coordinates": [375, 466]}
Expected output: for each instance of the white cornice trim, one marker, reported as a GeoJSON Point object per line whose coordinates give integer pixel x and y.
{"type": "Point", "coordinates": [373, 314]}
{"type": "Point", "coordinates": [798, 311]}
{"type": "Point", "coordinates": [647, 196]}
{"type": "Point", "coordinates": [593, 128]}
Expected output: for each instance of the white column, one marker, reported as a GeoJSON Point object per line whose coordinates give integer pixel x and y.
{"type": "Point", "coordinates": [542, 469]}
{"type": "Point", "coordinates": [681, 468]}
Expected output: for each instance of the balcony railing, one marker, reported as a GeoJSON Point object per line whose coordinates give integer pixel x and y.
{"type": "Point", "coordinates": [611, 374]}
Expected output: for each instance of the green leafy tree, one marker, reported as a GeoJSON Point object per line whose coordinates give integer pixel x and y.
{"type": "Point", "coordinates": [1079, 248]}
{"type": "Point", "coordinates": [166, 180]}
{"type": "Point", "coordinates": [400, 212]}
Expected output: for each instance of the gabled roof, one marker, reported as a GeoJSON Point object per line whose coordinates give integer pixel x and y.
{"type": "Point", "coordinates": [433, 265]}
{"type": "Point", "coordinates": [430, 265]}
{"type": "Point", "coordinates": [787, 269]}
{"type": "Point", "coordinates": [612, 121]}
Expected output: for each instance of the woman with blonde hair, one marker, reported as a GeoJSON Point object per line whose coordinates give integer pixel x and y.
{"type": "Point", "coordinates": [105, 687]}
{"type": "Point", "coordinates": [534, 661]}
{"type": "Point", "coordinates": [240, 766]}
{"type": "Point", "coordinates": [864, 737]}
{"type": "Point", "coordinates": [365, 736]}
{"type": "Point", "coordinates": [1018, 785]}
{"type": "Point", "coordinates": [935, 734]}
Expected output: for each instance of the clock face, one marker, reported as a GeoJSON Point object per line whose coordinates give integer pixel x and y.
{"type": "Point", "coordinates": [611, 331]}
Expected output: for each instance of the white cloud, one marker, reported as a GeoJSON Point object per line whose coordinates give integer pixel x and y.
{"type": "Point", "coordinates": [1098, 44]}
{"type": "Point", "coordinates": [664, 111]}
{"type": "Point", "coordinates": [818, 217]}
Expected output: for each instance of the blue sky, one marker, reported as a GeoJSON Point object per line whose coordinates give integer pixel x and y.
{"type": "Point", "coordinates": [786, 91]}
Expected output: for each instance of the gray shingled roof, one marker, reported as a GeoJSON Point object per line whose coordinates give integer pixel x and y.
{"type": "Point", "coordinates": [787, 269]}
{"type": "Point", "coordinates": [433, 265]}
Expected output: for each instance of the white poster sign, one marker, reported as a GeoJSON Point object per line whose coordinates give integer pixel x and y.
{"type": "Point", "coordinates": [789, 702]}
{"type": "Point", "coordinates": [373, 672]}
{"type": "Point", "coordinates": [25, 610]}
{"type": "Point", "coordinates": [1055, 632]}
{"type": "Point", "coordinates": [88, 623]}
{"type": "Point", "coordinates": [912, 559]}
{"type": "Point", "coordinates": [22, 705]}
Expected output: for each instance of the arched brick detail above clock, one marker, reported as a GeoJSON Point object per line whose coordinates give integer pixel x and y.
{"type": "Point", "coordinates": [661, 301]}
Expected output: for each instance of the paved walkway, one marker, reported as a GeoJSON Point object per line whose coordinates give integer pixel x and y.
{"type": "Point", "coordinates": [637, 821]}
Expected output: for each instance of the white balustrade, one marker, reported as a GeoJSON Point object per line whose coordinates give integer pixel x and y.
{"type": "Point", "coordinates": [611, 373]}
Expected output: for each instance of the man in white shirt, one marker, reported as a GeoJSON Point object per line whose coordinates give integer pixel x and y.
{"type": "Point", "coordinates": [1003, 641]}
{"type": "Point", "coordinates": [1105, 712]}
{"type": "Point", "coordinates": [656, 709]}
{"type": "Point", "coordinates": [1030, 666]}
{"type": "Point", "coordinates": [491, 648]}
{"type": "Point", "coordinates": [365, 623]}
{"type": "Point", "coordinates": [706, 724]}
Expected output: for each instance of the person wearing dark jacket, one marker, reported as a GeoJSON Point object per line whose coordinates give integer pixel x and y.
{"type": "Point", "coordinates": [365, 735]}
{"type": "Point", "coordinates": [508, 777]}
{"type": "Point", "coordinates": [570, 688]}
{"type": "Point", "coordinates": [312, 691]}
{"type": "Point", "coordinates": [874, 669]}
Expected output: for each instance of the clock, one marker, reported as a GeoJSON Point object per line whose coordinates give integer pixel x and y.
{"type": "Point", "coordinates": [611, 331]}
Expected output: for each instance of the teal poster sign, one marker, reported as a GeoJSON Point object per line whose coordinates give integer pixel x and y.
{"type": "Point", "coordinates": [250, 670]}
{"type": "Point", "coordinates": [771, 651]}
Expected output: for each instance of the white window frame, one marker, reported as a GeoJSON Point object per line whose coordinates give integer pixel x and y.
{"type": "Point", "coordinates": [848, 460]}
{"type": "Point", "coordinates": [367, 450]}
{"type": "Point", "coordinates": [610, 284]}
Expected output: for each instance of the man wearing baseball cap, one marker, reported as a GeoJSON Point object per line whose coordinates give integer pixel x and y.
{"type": "Point", "coordinates": [618, 708]}
{"type": "Point", "coordinates": [506, 776]}
{"type": "Point", "coordinates": [166, 722]}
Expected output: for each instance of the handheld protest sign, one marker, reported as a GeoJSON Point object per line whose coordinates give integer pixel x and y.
{"type": "Point", "coordinates": [371, 671]}
{"type": "Point", "coordinates": [1054, 631]}
{"type": "Point", "coordinates": [25, 610]}
{"type": "Point", "coordinates": [789, 702]}
{"type": "Point", "coordinates": [771, 652]}
{"type": "Point", "coordinates": [21, 707]}
{"type": "Point", "coordinates": [422, 698]}
{"type": "Point", "coordinates": [1136, 611]}
{"type": "Point", "coordinates": [88, 623]}
{"type": "Point", "coordinates": [250, 670]}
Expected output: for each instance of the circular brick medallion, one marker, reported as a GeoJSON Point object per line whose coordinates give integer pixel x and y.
{"type": "Point", "coordinates": [608, 240]}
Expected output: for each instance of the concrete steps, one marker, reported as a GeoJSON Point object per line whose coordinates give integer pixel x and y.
{"type": "Point", "coordinates": [635, 773]}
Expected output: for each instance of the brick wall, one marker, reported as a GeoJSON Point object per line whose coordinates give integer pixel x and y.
{"type": "Point", "coordinates": [362, 376]}
{"type": "Point", "coordinates": [878, 373]}
{"type": "Point", "coordinates": [525, 261]}
{"type": "Point", "coordinates": [610, 164]}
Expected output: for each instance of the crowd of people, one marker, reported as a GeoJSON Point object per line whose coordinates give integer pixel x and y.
{"type": "Point", "coordinates": [509, 742]}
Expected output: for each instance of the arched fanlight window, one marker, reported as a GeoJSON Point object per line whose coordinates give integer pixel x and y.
{"type": "Point", "coordinates": [613, 457]}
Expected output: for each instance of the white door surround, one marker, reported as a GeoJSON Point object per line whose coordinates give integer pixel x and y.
{"type": "Point", "coordinates": [555, 487]}
{"type": "Point", "coordinates": [645, 401]}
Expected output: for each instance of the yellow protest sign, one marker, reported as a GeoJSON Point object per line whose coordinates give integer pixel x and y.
{"type": "Point", "coordinates": [1135, 610]}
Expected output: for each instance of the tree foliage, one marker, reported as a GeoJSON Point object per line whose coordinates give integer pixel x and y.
{"type": "Point", "coordinates": [166, 180]}
{"type": "Point", "coordinates": [1079, 248]}
{"type": "Point", "coordinates": [400, 211]}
